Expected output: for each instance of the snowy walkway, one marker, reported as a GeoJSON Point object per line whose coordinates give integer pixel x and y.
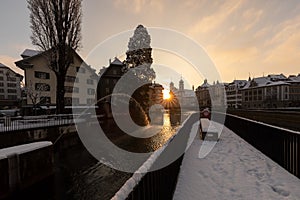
{"type": "Point", "coordinates": [233, 170]}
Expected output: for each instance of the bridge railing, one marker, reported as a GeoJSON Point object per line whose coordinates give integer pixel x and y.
{"type": "Point", "coordinates": [279, 144]}
{"type": "Point", "coordinates": [8, 124]}
{"type": "Point", "coordinates": [161, 183]}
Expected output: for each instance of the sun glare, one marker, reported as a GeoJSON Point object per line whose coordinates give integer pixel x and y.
{"type": "Point", "coordinates": [166, 94]}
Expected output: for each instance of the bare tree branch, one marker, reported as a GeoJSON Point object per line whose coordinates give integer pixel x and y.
{"type": "Point", "coordinates": [56, 28]}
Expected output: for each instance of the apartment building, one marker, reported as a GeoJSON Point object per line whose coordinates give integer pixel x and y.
{"type": "Point", "coordinates": [80, 83]}
{"type": "Point", "coordinates": [234, 93]}
{"type": "Point", "coordinates": [10, 87]}
{"type": "Point", "coordinates": [272, 91]}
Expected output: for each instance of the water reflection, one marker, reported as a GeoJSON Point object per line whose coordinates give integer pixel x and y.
{"type": "Point", "coordinates": [100, 181]}
{"type": "Point", "coordinates": [163, 124]}
{"type": "Point", "coordinates": [80, 176]}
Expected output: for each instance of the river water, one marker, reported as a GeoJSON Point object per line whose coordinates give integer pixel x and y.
{"type": "Point", "coordinates": [80, 176]}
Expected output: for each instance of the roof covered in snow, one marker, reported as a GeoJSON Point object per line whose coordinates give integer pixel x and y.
{"type": "Point", "coordinates": [205, 84]}
{"type": "Point", "coordinates": [29, 53]}
{"type": "Point", "coordinates": [265, 81]}
{"type": "Point", "coordinates": [117, 62]}
{"type": "Point", "coordinates": [8, 68]}
{"type": "Point", "coordinates": [295, 78]}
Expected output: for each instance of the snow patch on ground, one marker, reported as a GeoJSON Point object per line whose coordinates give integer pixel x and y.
{"type": "Point", "coordinates": [233, 170]}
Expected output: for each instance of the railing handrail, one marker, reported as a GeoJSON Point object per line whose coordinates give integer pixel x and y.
{"type": "Point", "coordinates": [8, 124]}
{"type": "Point", "coordinates": [261, 123]}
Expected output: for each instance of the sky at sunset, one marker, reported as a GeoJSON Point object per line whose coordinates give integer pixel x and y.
{"type": "Point", "coordinates": [241, 37]}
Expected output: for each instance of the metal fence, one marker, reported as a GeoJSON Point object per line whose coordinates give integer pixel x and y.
{"type": "Point", "coordinates": [279, 144]}
{"type": "Point", "coordinates": [8, 124]}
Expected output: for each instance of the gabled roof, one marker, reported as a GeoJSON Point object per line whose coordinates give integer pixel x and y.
{"type": "Point", "coordinates": [294, 78]}
{"type": "Point", "coordinates": [117, 62]}
{"type": "Point", "coordinates": [17, 74]}
{"type": "Point", "coordinates": [277, 77]}
{"type": "Point", "coordinates": [205, 84]}
{"type": "Point", "coordinates": [29, 53]}
{"type": "Point", "coordinates": [269, 80]}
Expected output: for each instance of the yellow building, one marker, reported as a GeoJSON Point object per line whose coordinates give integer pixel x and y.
{"type": "Point", "coordinates": [80, 84]}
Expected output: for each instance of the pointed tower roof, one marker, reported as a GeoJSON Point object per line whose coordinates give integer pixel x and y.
{"type": "Point", "coordinates": [117, 62]}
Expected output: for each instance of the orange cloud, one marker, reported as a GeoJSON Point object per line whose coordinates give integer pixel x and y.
{"type": "Point", "coordinates": [211, 22]}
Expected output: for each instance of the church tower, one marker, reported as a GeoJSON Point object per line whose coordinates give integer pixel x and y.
{"type": "Point", "coordinates": [172, 86]}
{"type": "Point", "coordinates": [181, 85]}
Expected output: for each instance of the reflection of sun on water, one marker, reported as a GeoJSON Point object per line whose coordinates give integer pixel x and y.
{"type": "Point", "coordinates": [166, 94]}
{"type": "Point", "coordinates": [167, 122]}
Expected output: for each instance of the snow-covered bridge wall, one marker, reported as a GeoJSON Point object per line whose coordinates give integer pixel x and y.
{"type": "Point", "coordinates": [24, 165]}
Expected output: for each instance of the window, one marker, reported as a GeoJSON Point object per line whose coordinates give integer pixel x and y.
{"type": "Point", "coordinates": [11, 85]}
{"type": "Point", "coordinates": [1, 78]}
{"type": "Point", "coordinates": [11, 79]}
{"type": "Point", "coordinates": [75, 89]}
{"type": "Point", "coordinates": [91, 91]}
{"type": "Point", "coordinates": [12, 97]}
{"type": "Point", "coordinates": [90, 81]}
{"type": "Point", "coordinates": [2, 97]}
{"type": "Point", "coordinates": [68, 101]}
{"type": "Point", "coordinates": [1, 84]}
{"type": "Point", "coordinates": [80, 69]}
{"type": "Point", "coordinates": [41, 75]}
{"type": "Point", "coordinates": [42, 87]}
{"type": "Point", "coordinates": [107, 90]}
{"type": "Point", "coordinates": [44, 100]}
{"type": "Point", "coordinates": [75, 101]}
{"type": "Point", "coordinates": [68, 89]}
{"type": "Point", "coordinates": [71, 79]}
{"type": "Point", "coordinates": [1, 71]}
{"type": "Point", "coordinates": [90, 101]}
{"type": "Point", "coordinates": [11, 90]}
{"type": "Point", "coordinates": [1, 90]}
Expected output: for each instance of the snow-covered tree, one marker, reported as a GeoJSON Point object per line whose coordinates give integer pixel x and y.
{"type": "Point", "coordinates": [139, 52]}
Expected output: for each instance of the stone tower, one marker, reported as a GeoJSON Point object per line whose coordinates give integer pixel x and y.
{"type": "Point", "coordinates": [181, 85]}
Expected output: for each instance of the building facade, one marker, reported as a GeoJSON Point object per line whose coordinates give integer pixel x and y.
{"type": "Point", "coordinates": [272, 91]}
{"type": "Point", "coordinates": [203, 96]}
{"type": "Point", "coordinates": [186, 98]}
{"type": "Point", "coordinates": [211, 95]}
{"type": "Point", "coordinates": [234, 93]}
{"type": "Point", "coordinates": [40, 80]}
{"type": "Point", "coordinates": [10, 87]}
{"type": "Point", "coordinates": [109, 76]}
